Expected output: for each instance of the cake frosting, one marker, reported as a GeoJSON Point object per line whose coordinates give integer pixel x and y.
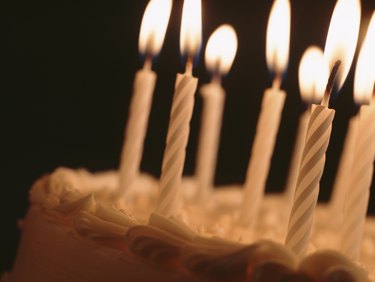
{"type": "Point", "coordinates": [75, 231]}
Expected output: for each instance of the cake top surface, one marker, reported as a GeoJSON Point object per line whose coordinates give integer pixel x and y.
{"type": "Point", "coordinates": [203, 239]}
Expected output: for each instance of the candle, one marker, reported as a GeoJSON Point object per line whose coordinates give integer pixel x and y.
{"type": "Point", "coordinates": [311, 170]}
{"type": "Point", "coordinates": [153, 29]}
{"type": "Point", "coordinates": [277, 53]}
{"type": "Point", "coordinates": [342, 178]}
{"type": "Point", "coordinates": [357, 196]}
{"type": "Point", "coordinates": [181, 112]}
{"type": "Point", "coordinates": [220, 52]}
{"type": "Point", "coordinates": [339, 50]}
{"type": "Point", "coordinates": [313, 74]}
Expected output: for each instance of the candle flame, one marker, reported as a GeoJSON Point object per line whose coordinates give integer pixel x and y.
{"type": "Point", "coordinates": [191, 28]}
{"type": "Point", "coordinates": [365, 70]}
{"type": "Point", "coordinates": [313, 75]}
{"type": "Point", "coordinates": [343, 36]}
{"type": "Point", "coordinates": [278, 36]}
{"type": "Point", "coordinates": [154, 26]}
{"type": "Point", "coordinates": [221, 50]}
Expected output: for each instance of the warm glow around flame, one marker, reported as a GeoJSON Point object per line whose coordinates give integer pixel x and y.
{"type": "Point", "coordinates": [365, 70]}
{"type": "Point", "coordinates": [313, 75]}
{"type": "Point", "coordinates": [278, 36]}
{"type": "Point", "coordinates": [343, 36]}
{"type": "Point", "coordinates": [154, 25]}
{"type": "Point", "coordinates": [191, 28]}
{"type": "Point", "coordinates": [221, 50]}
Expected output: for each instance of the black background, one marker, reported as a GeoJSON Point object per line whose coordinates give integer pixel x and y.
{"type": "Point", "coordinates": [69, 68]}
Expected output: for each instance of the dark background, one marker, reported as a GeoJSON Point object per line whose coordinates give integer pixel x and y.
{"type": "Point", "coordinates": [69, 68]}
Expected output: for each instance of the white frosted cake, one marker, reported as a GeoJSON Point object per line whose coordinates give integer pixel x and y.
{"type": "Point", "coordinates": [74, 232]}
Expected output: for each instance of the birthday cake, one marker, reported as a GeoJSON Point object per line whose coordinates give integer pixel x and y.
{"type": "Point", "coordinates": [128, 226]}
{"type": "Point", "coordinates": [73, 233]}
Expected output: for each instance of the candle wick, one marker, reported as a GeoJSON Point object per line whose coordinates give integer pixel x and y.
{"type": "Point", "coordinates": [189, 66]}
{"type": "Point", "coordinates": [149, 50]}
{"type": "Point", "coordinates": [147, 65]}
{"type": "Point", "coordinates": [331, 83]}
{"type": "Point", "coordinates": [314, 94]}
{"type": "Point", "coordinates": [276, 84]}
{"type": "Point", "coordinates": [216, 79]}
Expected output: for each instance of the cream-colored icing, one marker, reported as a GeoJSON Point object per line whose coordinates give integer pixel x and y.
{"type": "Point", "coordinates": [94, 227]}
{"type": "Point", "coordinates": [203, 239]}
{"type": "Point", "coordinates": [52, 252]}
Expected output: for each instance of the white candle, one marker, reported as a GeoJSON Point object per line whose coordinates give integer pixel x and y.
{"type": "Point", "coordinates": [220, 52]}
{"type": "Point", "coordinates": [357, 196]}
{"type": "Point", "coordinates": [277, 53]}
{"type": "Point", "coordinates": [342, 179]}
{"type": "Point", "coordinates": [181, 112]}
{"type": "Point", "coordinates": [297, 155]}
{"type": "Point", "coordinates": [136, 129]}
{"type": "Point", "coordinates": [153, 28]}
{"type": "Point", "coordinates": [261, 154]}
{"type": "Point", "coordinates": [213, 103]}
{"type": "Point", "coordinates": [313, 74]}
{"type": "Point", "coordinates": [338, 50]}
{"type": "Point", "coordinates": [362, 168]}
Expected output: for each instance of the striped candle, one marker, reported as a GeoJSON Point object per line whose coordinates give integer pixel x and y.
{"type": "Point", "coordinates": [311, 170]}
{"type": "Point", "coordinates": [177, 138]}
{"type": "Point", "coordinates": [339, 52]}
{"type": "Point", "coordinates": [312, 78]}
{"type": "Point", "coordinates": [181, 112]}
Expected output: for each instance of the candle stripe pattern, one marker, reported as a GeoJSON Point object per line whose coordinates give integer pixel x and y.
{"type": "Point", "coordinates": [360, 182]}
{"type": "Point", "coordinates": [261, 154]}
{"type": "Point", "coordinates": [135, 133]}
{"type": "Point", "coordinates": [307, 189]}
{"type": "Point", "coordinates": [175, 151]}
